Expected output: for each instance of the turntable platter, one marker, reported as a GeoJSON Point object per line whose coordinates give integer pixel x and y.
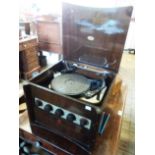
{"type": "Point", "coordinates": [71, 84]}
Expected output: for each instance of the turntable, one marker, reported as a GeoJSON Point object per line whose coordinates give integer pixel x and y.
{"type": "Point", "coordinates": [68, 99]}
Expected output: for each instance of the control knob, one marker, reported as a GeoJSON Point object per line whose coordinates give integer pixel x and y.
{"type": "Point", "coordinates": [71, 117]}
{"type": "Point", "coordinates": [38, 103]}
{"type": "Point", "coordinates": [83, 122]}
{"type": "Point", "coordinates": [59, 113]}
{"type": "Point", "coordinates": [48, 108]}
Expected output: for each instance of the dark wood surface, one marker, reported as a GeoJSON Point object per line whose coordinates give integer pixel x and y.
{"type": "Point", "coordinates": [106, 144]}
{"type": "Point", "coordinates": [41, 118]}
{"type": "Point", "coordinates": [49, 34]}
{"type": "Point", "coordinates": [28, 57]}
{"type": "Point", "coordinates": [95, 35]}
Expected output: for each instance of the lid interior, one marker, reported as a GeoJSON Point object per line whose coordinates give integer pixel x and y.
{"type": "Point", "coordinates": [95, 36]}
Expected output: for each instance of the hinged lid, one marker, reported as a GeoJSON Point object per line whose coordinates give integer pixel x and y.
{"type": "Point", "coordinates": [95, 36]}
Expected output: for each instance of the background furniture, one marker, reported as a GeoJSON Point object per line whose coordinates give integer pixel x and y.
{"type": "Point", "coordinates": [28, 58]}
{"type": "Point", "coordinates": [49, 34]}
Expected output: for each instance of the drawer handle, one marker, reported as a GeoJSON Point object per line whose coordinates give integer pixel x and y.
{"type": "Point", "coordinates": [25, 45]}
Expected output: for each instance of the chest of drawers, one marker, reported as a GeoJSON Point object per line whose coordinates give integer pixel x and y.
{"type": "Point", "coordinates": [28, 58]}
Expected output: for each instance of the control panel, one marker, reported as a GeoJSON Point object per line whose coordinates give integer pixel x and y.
{"type": "Point", "coordinates": [63, 113]}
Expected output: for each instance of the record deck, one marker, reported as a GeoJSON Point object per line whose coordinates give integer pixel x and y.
{"type": "Point", "coordinates": [68, 98]}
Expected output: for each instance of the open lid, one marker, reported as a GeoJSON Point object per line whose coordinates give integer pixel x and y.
{"type": "Point", "coordinates": [95, 36]}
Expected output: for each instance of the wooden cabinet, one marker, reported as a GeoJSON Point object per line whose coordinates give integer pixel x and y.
{"type": "Point", "coordinates": [28, 58]}
{"type": "Point", "coordinates": [106, 144]}
{"type": "Point", "coordinates": [49, 35]}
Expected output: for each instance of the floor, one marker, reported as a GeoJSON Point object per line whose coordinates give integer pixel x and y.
{"type": "Point", "coordinates": [127, 72]}
{"type": "Point", "coordinates": [127, 137]}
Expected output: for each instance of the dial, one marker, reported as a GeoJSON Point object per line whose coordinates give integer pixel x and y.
{"type": "Point", "coordinates": [83, 122]}
{"type": "Point", "coordinates": [38, 103]}
{"type": "Point", "coordinates": [59, 112]}
{"type": "Point", "coordinates": [48, 108]}
{"type": "Point", "coordinates": [71, 117]}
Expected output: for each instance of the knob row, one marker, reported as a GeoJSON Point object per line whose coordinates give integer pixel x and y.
{"type": "Point", "coordinates": [49, 108]}
{"type": "Point", "coordinates": [59, 113]}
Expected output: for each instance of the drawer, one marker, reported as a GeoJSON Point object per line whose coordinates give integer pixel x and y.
{"type": "Point", "coordinates": [50, 47]}
{"type": "Point", "coordinates": [28, 44]}
{"type": "Point", "coordinates": [25, 63]}
{"type": "Point", "coordinates": [33, 65]}
{"type": "Point", "coordinates": [31, 52]}
{"type": "Point", "coordinates": [32, 59]}
{"type": "Point", "coordinates": [30, 66]}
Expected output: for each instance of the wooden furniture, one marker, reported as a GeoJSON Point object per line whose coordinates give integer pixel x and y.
{"type": "Point", "coordinates": [93, 42]}
{"type": "Point", "coordinates": [49, 34]}
{"type": "Point", "coordinates": [28, 58]}
{"type": "Point", "coordinates": [106, 144]}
